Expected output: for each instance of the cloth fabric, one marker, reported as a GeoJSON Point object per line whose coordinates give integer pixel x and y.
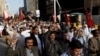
{"type": "Point", "coordinates": [39, 43]}
{"type": "Point", "coordinates": [21, 52]}
{"type": "Point", "coordinates": [29, 52]}
{"type": "Point", "coordinates": [53, 48]}
{"type": "Point", "coordinates": [3, 47]}
{"type": "Point", "coordinates": [93, 47]}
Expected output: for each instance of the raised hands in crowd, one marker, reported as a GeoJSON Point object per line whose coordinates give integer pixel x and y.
{"type": "Point", "coordinates": [49, 39]}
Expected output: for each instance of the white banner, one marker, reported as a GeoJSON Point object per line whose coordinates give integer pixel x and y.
{"type": "Point", "coordinates": [37, 13]}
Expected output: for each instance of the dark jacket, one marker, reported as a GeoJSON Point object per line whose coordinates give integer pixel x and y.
{"type": "Point", "coordinates": [3, 46]}
{"type": "Point", "coordinates": [64, 44]}
{"type": "Point", "coordinates": [53, 49]}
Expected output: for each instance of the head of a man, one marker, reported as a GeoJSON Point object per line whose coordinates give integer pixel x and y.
{"type": "Point", "coordinates": [80, 33]}
{"type": "Point", "coordinates": [35, 30]}
{"type": "Point", "coordinates": [52, 36]}
{"type": "Point", "coordinates": [29, 42]}
{"type": "Point", "coordinates": [22, 29]}
{"type": "Point", "coordinates": [53, 27]}
{"type": "Point", "coordinates": [95, 33]}
{"type": "Point", "coordinates": [64, 35]}
{"type": "Point", "coordinates": [75, 48]}
{"type": "Point", "coordinates": [30, 13]}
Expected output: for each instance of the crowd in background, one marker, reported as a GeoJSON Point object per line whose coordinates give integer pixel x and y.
{"type": "Point", "coordinates": [41, 38]}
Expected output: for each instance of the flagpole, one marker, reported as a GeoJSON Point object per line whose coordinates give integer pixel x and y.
{"type": "Point", "coordinates": [54, 9]}
{"type": "Point", "coordinates": [59, 10]}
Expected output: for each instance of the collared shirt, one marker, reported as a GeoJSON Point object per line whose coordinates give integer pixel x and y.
{"type": "Point", "coordinates": [29, 52]}
{"type": "Point", "coordinates": [81, 40]}
{"type": "Point", "coordinates": [65, 54]}
{"type": "Point", "coordinates": [68, 54]}
{"type": "Point", "coordinates": [70, 36]}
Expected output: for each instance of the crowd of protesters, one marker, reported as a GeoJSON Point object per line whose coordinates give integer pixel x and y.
{"type": "Point", "coordinates": [40, 38]}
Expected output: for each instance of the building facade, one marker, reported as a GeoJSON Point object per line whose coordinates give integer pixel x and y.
{"type": "Point", "coordinates": [49, 6]}
{"type": "Point", "coordinates": [30, 5]}
{"type": "Point", "coordinates": [94, 4]}
{"type": "Point", "coordinates": [2, 7]}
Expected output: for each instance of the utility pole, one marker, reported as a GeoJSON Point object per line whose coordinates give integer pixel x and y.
{"type": "Point", "coordinates": [37, 10]}
{"type": "Point", "coordinates": [59, 11]}
{"type": "Point", "coordinates": [56, 1]}
{"type": "Point", "coordinates": [55, 10]}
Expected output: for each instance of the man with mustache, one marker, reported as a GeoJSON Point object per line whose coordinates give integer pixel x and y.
{"type": "Point", "coordinates": [28, 50]}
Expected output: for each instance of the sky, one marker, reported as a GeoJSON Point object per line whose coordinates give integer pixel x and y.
{"type": "Point", "coordinates": [14, 5]}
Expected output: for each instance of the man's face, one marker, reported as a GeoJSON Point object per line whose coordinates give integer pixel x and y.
{"type": "Point", "coordinates": [36, 31]}
{"type": "Point", "coordinates": [29, 44]}
{"type": "Point", "coordinates": [64, 35]}
{"type": "Point", "coordinates": [97, 34]}
{"type": "Point", "coordinates": [76, 52]}
{"type": "Point", "coordinates": [52, 37]}
{"type": "Point", "coordinates": [80, 33]}
{"type": "Point", "coordinates": [53, 27]}
{"type": "Point", "coordinates": [21, 29]}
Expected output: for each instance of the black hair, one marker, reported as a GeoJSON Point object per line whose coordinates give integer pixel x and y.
{"type": "Point", "coordinates": [22, 28]}
{"type": "Point", "coordinates": [75, 44]}
{"type": "Point", "coordinates": [29, 12]}
{"type": "Point", "coordinates": [28, 38]}
{"type": "Point", "coordinates": [4, 32]}
{"type": "Point", "coordinates": [52, 32]}
{"type": "Point", "coordinates": [94, 31]}
{"type": "Point", "coordinates": [30, 26]}
{"type": "Point", "coordinates": [64, 31]}
{"type": "Point", "coordinates": [33, 28]}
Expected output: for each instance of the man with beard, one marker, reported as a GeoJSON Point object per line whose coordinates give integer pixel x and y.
{"type": "Point", "coordinates": [28, 50]}
{"type": "Point", "coordinates": [94, 44]}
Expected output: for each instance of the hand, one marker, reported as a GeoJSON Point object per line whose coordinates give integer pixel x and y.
{"type": "Point", "coordinates": [52, 28]}
{"type": "Point", "coordinates": [13, 42]}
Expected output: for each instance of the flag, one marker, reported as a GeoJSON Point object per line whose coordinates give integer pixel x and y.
{"type": "Point", "coordinates": [88, 19]}
{"type": "Point", "coordinates": [67, 19]}
{"type": "Point", "coordinates": [54, 18]}
{"type": "Point", "coordinates": [74, 24]}
{"type": "Point", "coordinates": [96, 27]}
{"type": "Point", "coordinates": [21, 15]}
{"type": "Point", "coordinates": [5, 16]}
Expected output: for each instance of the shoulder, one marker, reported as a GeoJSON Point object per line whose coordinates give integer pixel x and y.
{"type": "Point", "coordinates": [35, 48]}
{"type": "Point", "coordinates": [92, 39]}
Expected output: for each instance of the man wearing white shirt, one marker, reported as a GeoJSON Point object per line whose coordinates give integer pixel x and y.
{"type": "Point", "coordinates": [70, 35]}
